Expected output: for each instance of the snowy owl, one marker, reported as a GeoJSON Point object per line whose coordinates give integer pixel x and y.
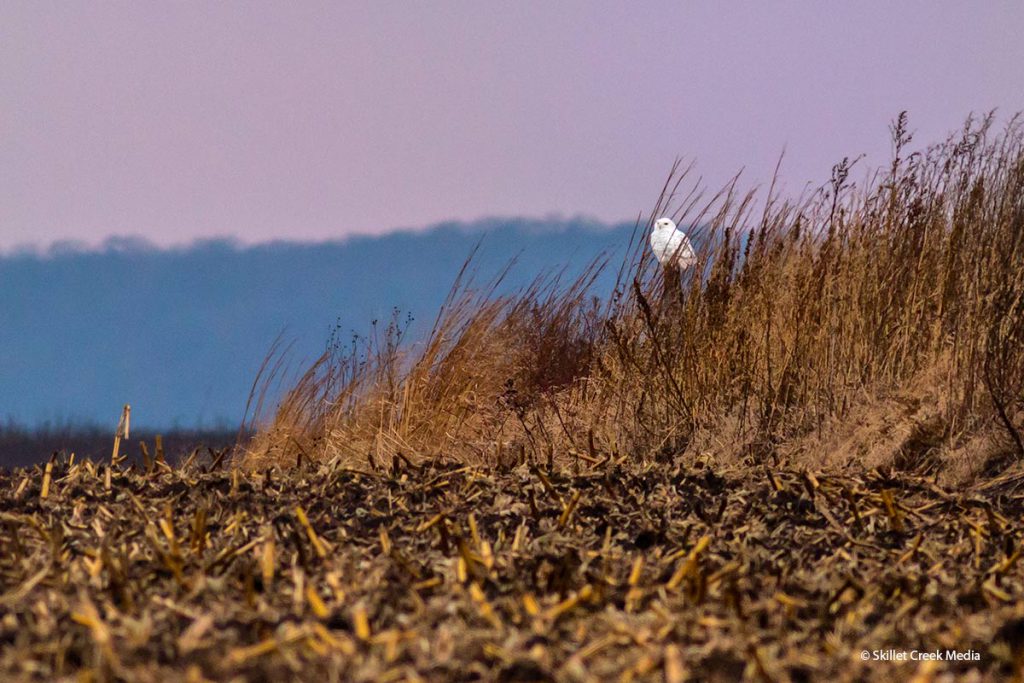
{"type": "Point", "coordinates": [671, 246]}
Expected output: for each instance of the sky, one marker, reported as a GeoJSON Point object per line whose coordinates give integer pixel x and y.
{"type": "Point", "coordinates": [307, 120]}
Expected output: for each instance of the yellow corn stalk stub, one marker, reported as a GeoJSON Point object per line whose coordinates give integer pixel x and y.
{"type": "Point", "coordinates": [361, 622]}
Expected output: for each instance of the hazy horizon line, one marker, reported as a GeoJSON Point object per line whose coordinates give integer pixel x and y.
{"type": "Point", "coordinates": [138, 243]}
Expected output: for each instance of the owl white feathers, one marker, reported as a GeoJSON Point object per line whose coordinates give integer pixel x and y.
{"type": "Point", "coordinates": [671, 246]}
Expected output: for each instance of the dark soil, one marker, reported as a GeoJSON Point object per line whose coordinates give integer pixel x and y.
{"type": "Point", "coordinates": [24, 447]}
{"type": "Point", "coordinates": [618, 572]}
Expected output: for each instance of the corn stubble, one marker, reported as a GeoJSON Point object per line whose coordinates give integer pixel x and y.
{"type": "Point", "coordinates": [446, 572]}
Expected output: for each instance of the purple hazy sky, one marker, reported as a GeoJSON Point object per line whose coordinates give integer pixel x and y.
{"type": "Point", "coordinates": [314, 120]}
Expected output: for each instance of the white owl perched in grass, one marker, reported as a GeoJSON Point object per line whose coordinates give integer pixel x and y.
{"type": "Point", "coordinates": [671, 246]}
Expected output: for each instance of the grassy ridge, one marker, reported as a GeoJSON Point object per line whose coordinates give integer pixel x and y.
{"type": "Point", "coordinates": [877, 323]}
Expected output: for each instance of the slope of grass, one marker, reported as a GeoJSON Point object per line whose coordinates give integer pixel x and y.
{"type": "Point", "coordinates": [872, 323]}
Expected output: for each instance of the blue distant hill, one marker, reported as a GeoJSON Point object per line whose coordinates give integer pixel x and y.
{"type": "Point", "coordinates": [181, 333]}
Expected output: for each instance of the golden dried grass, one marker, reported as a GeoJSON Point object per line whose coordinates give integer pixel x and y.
{"type": "Point", "coordinates": [878, 322]}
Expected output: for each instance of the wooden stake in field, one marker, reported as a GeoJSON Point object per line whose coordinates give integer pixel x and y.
{"type": "Point", "coordinates": [123, 426]}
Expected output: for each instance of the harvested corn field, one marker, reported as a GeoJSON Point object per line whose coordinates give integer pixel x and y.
{"type": "Point", "coordinates": [444, 572]}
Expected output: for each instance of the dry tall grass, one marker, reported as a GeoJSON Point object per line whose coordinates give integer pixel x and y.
{"type": "Point", "coordinates": [878, 322]}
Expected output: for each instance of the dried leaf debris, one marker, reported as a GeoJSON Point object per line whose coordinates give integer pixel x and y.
{"type": "Point", "coordinates": [621, 571]}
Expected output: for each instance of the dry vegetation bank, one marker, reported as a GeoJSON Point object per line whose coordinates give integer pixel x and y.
{"type": "Point", "coordinates": [874, 323]}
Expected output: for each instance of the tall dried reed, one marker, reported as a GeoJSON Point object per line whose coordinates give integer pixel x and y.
{"type": "Point", "coordinates": [897, 301]}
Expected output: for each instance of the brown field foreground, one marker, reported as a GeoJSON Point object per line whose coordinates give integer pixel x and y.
{"type": "Point", "coordinates": [658, 572]}
{"type": "Point", "coordinates": [876, 324]}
